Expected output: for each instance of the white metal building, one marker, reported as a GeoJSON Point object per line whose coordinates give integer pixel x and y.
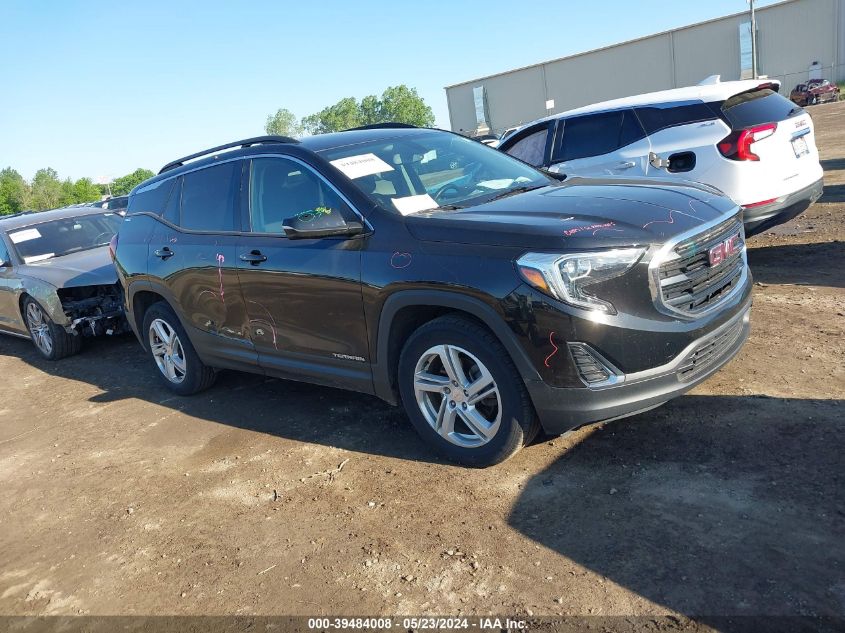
{"type": "Point", "coordinates": [796, 40]}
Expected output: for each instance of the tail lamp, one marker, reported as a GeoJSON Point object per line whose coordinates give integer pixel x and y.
{"type": "Point", "coordinates": [737, 145]}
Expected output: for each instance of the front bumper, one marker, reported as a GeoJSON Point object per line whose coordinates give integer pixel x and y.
{"type": "Point", "coordinates": [759, 219]}
{"type": "Point", "coordinates": [564, 409]}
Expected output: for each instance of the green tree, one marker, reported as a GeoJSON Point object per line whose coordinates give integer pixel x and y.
{"type": "Point", "coordinates": [123, 185]}
{"type": "Point", "coordinates": [399, 104]}
{"type": "Point", "coordinates": [403, 105]}
{"type": "Point", "coordinates": [14, 192]}
{"type": "Point", "coordinates": [370, 110]}
{"type": "Point", "coordinates": [283, 123]}
{"type": "Point", "coordinates": [83, 190]}
{"type": "Point", "coordinates": [342, 115]}
{"type": "Point", "coordinates": [46, 189]}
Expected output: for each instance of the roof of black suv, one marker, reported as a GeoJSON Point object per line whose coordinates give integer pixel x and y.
{"type": "Point", "coordinates": [316, 143]}
{"type": "Point", "coordinates": [364, 134]}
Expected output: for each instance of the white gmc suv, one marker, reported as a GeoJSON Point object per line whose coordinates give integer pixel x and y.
{"type": "Point", "coordinates": [741, 137]}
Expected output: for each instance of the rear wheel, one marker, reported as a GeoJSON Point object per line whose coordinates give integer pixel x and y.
{"type": "Point", "coordinates": [51, 340]}
{"type": "Point", "coordinates": [463, 394]}
{"type": "Point", "coordinates": [178, 363]}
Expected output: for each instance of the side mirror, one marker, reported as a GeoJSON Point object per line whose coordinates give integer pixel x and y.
{"type": "Point", "coordinates": [320, 222]}
{"type": "Point", "coordinates": [553, 174]}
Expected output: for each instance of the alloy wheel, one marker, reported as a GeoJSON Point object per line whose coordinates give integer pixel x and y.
{"type": "Point", "coordinates": [167, 351]}
{"type": "Point", "coordinates": [457, 396]}
{"type": "Point", "coordinates": [39, 327]}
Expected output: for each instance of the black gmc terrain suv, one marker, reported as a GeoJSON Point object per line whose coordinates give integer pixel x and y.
{"type": "Point", "coordinates": [487, 297]}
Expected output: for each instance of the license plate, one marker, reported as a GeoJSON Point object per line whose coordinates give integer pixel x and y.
{"type": "Point", "coordinates": [799, 146]}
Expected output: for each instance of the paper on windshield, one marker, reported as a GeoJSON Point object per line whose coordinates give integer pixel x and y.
{"type": "Point", "coordinates": [24, 236]}
{"type": "Point", "coordinates": [502, 183]}
{"type": "Point", "coordinates": [361, 165]}
{"type": "Point", "coordinates": [413, 204]}
{"type": "Point", "coordinates": [37, 258]}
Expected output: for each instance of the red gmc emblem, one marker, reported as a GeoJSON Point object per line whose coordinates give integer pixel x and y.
{"type": "Point", "coordinates": [723, 250]}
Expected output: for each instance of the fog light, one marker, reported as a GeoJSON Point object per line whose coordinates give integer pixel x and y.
{"type": "Point", "coordinates": [594, 370]}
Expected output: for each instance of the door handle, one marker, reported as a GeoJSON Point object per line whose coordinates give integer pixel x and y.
{"type": "Point", "coordinates": [164, 253]}
{"type": "Point", "coordinates": [253, 257]}
{"type": "Point", "coordinates": [627, 164]}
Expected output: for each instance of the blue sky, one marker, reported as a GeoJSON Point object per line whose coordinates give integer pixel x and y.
{"type": "Point", "coordinates": [99, 88]}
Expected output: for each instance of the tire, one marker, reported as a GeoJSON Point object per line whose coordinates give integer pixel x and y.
{"type": "Point", "coordinates": [172, 353]}
{"type": "Point", "coordinates": [474, 430]}
{"type": "Point", "coordinates": [51, 340]}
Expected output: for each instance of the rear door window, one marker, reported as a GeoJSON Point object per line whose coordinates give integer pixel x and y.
{"type": "Point", "coordinates": [748, 109]}
{"type": "Point", "coordinates": [660, 117]}
{"type": "Point", "coordinates": [530, 146]}
{"type": "Point", "coordinates": [597, 134]}
{"type": "Point", "coordinates": [209, 197]}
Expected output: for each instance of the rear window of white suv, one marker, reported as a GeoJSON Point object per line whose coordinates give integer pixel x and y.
{"type": "Point", "coordinates": [748, 109]}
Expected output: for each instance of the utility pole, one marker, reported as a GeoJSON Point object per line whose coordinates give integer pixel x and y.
{"type": "Point", "coordinates": [753, 41]}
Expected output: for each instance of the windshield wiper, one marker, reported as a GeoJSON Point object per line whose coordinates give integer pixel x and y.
{"type": "Point", "coordinates": [514, 191]}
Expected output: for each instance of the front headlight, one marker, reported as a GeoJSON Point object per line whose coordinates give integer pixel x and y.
{"type": "Point", "coordinates": [569, 277]}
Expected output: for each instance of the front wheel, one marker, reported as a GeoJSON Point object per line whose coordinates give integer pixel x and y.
{"type": "Point", "coordinates": [51, 340]}
{"type": "Point", "coordinates": [463, 394]}
{"type": "Point", "coordinates": [176, 359]}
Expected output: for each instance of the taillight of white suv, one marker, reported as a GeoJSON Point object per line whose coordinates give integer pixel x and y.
{"type": "Point", "coordinates": [738, 144]}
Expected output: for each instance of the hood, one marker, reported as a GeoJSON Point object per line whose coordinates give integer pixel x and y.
{"type": "Point", "coordinates": [581, 213]}
{"type": "Point", "coordinates": [93, 267]}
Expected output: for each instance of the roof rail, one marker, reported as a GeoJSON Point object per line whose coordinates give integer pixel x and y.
{"type": "Point", "coordinates": [18, 214]}
{"type": "Point", "coordinates": [382, 126]}
{"type": "Point", "coordinates": [247, 142]}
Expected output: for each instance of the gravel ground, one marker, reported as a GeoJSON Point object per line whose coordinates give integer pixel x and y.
{"type": "Point", "coordinates": [270, 497]}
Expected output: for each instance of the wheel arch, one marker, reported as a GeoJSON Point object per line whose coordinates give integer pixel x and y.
{"type": "Point", "coordinates": [142, 299]}
{"type": "Point", "coordinates": [46, 296]}
{"type": "Point", "coordinates": [405, 311]}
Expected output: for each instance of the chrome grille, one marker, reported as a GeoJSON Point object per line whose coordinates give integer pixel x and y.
{"type": "Point", "coordinates": [688, 283]}
{"type": "Point", "coordinates": [709, 352]}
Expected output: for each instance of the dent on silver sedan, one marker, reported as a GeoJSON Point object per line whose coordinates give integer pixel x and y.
{"type": "Point", "coordinates": [45, 294]}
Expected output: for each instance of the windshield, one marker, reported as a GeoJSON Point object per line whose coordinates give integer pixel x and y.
{"type": "Point", "coordinates": [61, 237]}
{"type": "Point", "coordinates": [432, 170]}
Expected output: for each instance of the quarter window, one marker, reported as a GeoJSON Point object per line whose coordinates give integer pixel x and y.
{"type": "Point", "coordinates": [209, 196]}
{"type": "Point", "coordinates": [597, 134]}
{"type": "Point", "coordinates": [531, 148]}
{"type": "Point", "coordinates": [151, 199]}
{"type": "Point", "coordinates": [656, 118]}
{"type": "Point", "coordinates": [282, 189]}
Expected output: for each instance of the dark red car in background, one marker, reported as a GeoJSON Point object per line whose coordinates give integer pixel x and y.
{"type": "Point", "coordinates": [813, 92]}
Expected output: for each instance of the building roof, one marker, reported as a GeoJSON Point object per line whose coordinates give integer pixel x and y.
{"type": "Point", "coordinates": [610, 46]}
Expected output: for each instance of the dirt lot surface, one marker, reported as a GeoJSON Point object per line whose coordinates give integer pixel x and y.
{"type": "Point", "coordinates": [119, 498]}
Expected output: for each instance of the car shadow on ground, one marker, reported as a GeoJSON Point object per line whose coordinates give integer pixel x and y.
{"type": "Point", "coordinates": [833, 193]}
{"type": "Point", "coordinates": [299, 411]}
{"type": "Point", "coordinates": [832, 164]}
{"type": "Point", "coordinates": [709, 505]}
{"type": "Point", "coordinates": [801, 264]}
